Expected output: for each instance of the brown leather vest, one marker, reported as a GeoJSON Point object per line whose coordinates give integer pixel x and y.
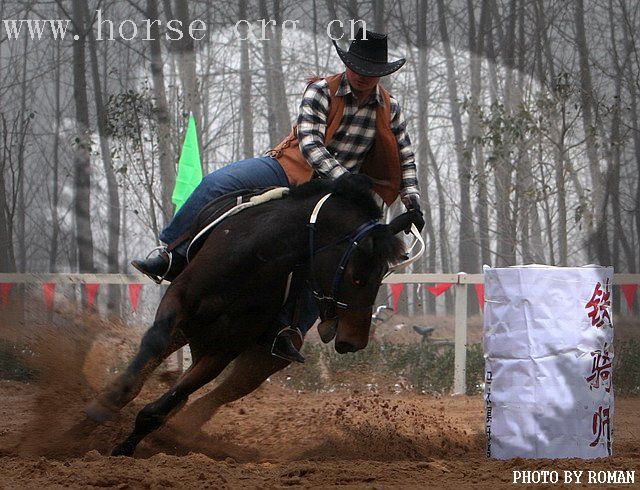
{"type": "Point", "coordinates": [382, 162]}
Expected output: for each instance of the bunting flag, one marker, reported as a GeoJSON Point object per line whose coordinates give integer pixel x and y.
{"type": "Point", "coordinates": [396, 292]}
{"type": "Point", "coordinates": [189, 167]}
{"type": "Point", "coordinates": [92, 292]}
{"type": "Point", "coordinates": [49, 291]}
{"type": "Point", "coordinates": [134, 295]}
{"type": "Point", "coordinates": [438, 289]}
{"type": "Point", "coordinates": [480, 295]}
{"type": "Point", "coordinates": [5, 289]}
{"type": "Point", "coordinates": [629, 291]}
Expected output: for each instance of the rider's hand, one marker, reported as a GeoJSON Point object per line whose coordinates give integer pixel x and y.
{"type": "Point", "coordinates": [413, 207]}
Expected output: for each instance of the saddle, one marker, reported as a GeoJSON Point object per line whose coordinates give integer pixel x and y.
{"type": "Point", "coordinates": [217, 210]}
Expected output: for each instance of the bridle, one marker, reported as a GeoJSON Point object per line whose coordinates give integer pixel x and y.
{"type": "Point", "coordinates": [328, 304]}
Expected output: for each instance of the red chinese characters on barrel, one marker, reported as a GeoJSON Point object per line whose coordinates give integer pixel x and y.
{"type": "Point", "coordinates": [600, 370]}
{"type": "Point", "coordinates": [601, 428]}
{"type": "Point", "coordinates": [599, 305]}
{"type": "Point", "coordinates": [598, 308]}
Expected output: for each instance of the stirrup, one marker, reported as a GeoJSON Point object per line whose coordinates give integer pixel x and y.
{"type": "Point", "coordinates": [161, 249]}
{"type": "Point", "coordinates": [275, 339]}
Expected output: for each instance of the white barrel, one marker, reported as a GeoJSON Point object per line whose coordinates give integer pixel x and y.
{"type": "Point", "coordinates": [548, 347]}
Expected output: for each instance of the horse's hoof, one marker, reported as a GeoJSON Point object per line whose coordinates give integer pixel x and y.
{"type": "Point", "coordinates": [123, 449]}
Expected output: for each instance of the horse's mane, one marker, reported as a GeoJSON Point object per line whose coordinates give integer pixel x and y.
{"type": "Point", "coordinates": [357, 191]}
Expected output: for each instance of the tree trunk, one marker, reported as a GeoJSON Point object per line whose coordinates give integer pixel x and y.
{"type": "Point", "coordinates": [246, 109]}
{"type": "Point", "coordinates": [476, 49]}
{"type": "Point", "coordinates": [558, 130]}
{"type": "Point", "coordinates": [188, 76]}
{"type": "Point", "coordinates": [467, 245]}
{"type": "Point", "coordinates": [82, 153]}
{"type": "Point", "coordinates": [423, 153]}
{"type": "Point", "coordinates": [161, 114]}
{"type": "Point", "coordinates": [55, 198]}
{"type": "Point", "coordinates": [615, 149]}
{"type": "Point", "coordinates": [282, 107]}
{"type": "Point", "coordinates": [7, 202]}
{"type": "Point", "coordinates": [632, 84]}
{"type": "Point", "coordinates": [445, 253]}
{"type": "Point", "coordinates": [113, 213]}
{"type": "Point", "coordinates": [272, 121]}
{"type": "Point", "coordinates": [378, 16]}
{"type": "Point", "coordinates": [22, 209]}
{"type": "Point", "coordinates": [596, 216]}
{"type": "Point", "coordinates": [505, 226]}
{"type": "Point", "coordinates": [278, 110]}
{"type": "Point", "coordinates": [533, 249]}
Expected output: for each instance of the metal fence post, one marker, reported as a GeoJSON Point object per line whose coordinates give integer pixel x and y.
{"type": "Point", "coordinates": [460, 337]}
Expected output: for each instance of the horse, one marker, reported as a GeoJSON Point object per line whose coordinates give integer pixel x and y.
{"type": "Point", "coordinates": [232, 290]}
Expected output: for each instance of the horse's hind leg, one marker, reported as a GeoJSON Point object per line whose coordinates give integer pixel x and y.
{"type": "Point", "coordinates": [247, 372]}
{"type": "Point", "coordinates": [153, 415]}
{"type": "Point", "coordinates": [162, 339]}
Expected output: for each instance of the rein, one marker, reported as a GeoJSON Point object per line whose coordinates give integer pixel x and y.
{"type": "Point", "coordinates": [328, 304]}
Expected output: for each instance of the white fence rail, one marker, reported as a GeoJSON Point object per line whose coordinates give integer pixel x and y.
{"type": "Point", "coordinates": [460, 282]}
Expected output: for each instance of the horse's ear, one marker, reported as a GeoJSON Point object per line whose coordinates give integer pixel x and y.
{"type": "Point", "coordinates": [401, 222]}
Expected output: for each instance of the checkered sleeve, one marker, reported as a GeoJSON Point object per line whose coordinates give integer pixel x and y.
{"type": "Point", "coordinates": [312, 125]}
{"type": "Point", "coordinates": [409, 184]}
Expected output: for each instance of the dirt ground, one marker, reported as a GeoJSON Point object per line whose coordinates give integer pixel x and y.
{"type": "Point", "coordinates": [276, 437]}
{"type": "Point", "coordinates": [279, 438]}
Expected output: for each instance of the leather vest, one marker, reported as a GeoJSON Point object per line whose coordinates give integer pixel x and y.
{"type": "Point", "coordinates": [382, 162]}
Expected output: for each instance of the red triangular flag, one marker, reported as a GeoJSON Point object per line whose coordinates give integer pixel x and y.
{"type": "Point", "coordinates": [396, 291]}
{"type": "Point", "coordinates": [438, 289]}
{"type": "Point", "coordinates": [480, 295]}
{"type": "Point", "coordinates": [134, 295]}
{"type": "Point", "coordinates": [629, 291]}
{"type": "Point", "coordinates": [5, 289]}
{"type": "Point", "coordinates": [92, 292]}
{"type": "Point", "coordinates": [49, 290]}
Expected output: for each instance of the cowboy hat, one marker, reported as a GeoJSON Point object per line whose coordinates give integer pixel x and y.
{"type": "Point", "coordinates": [368, 57]}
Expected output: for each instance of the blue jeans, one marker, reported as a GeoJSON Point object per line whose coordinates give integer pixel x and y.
{"type": "Point", "coordinates": [253, 173]}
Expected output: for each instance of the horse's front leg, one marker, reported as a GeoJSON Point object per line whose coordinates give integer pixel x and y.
{"type": "Point", "coordinates": [154, 415]}
{"type": "Point", "coordinates": [247, 372]}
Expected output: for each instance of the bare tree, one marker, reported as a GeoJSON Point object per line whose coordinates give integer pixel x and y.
{"type": "Point", "coordinates": [467, 243]}
{"type": "Point", "coordinates": [245, 86]}
{"type": "Point", "coordinates": [113, 206]}
{"type": "Point", "coordinates": [596, 217]}
{"type": "Point", "coordinates": [82, 153]}
{"type": "Point", "coordinates": [278, 112]}
{"type": "Point", "coordinates": [423, 135]}
{"type": "Point", "coordinates": [187, 67]}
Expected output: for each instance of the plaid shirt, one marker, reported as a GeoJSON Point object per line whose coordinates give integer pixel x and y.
{"type": "Point", "coordinates": [354, 137]}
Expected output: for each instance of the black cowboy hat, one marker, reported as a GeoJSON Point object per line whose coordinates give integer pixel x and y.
{"type": "Point", "coordinates": [368, 57]}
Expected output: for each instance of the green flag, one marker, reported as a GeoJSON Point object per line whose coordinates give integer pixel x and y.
{"type": "Point", "coordinates": [189, 168]}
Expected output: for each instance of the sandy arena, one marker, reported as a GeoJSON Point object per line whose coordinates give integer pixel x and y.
{"type": "Point", "coordinates": [276, 437]}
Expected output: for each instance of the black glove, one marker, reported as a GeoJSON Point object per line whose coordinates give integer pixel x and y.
{"type": "Point", "coordinates": [413, 207]}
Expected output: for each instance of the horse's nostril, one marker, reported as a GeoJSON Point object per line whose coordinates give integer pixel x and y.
{"type": "Point", "coordinates": [342, 347]}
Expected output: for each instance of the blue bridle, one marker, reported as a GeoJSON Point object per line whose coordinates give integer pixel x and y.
{"type": "Point", "coordinates": [328, 304]}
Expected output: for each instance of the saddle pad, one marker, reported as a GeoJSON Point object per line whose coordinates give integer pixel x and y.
{"type": "Point", "coordinates": [224, 206]}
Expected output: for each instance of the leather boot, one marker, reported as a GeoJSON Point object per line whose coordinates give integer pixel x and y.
{"type": "Point", "coordinates": [161, 267]}
{"type": "Point", "coordinates": [284, 347]}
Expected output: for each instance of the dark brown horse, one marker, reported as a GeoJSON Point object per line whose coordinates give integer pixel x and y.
{"type": "Point", "coordinates": [230, 293]}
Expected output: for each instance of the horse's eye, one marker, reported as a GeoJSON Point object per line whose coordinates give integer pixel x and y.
{"type": "Point", "coordinates": [358, 281]}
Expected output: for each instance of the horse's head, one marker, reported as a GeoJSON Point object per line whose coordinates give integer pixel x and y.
{"type": "Point", "coordinates": [348, 268]}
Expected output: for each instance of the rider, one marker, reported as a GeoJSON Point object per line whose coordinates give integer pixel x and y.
{"type": "Point", "coordinates": [346, 123]}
